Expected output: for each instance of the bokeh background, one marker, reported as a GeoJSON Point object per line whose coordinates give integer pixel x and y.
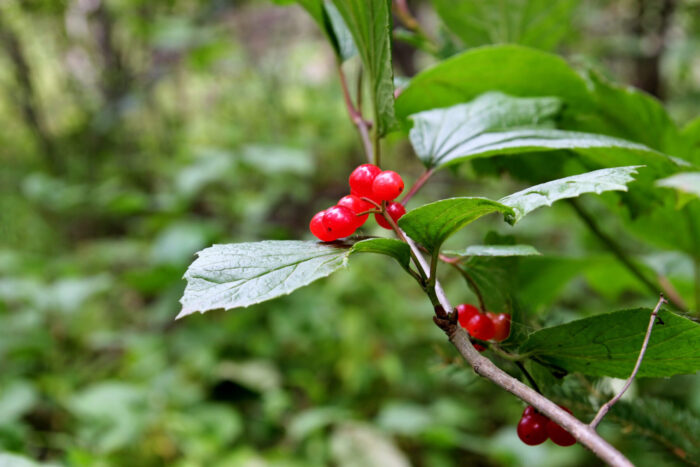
{"type": "Point", "coordinates": [134, 133]}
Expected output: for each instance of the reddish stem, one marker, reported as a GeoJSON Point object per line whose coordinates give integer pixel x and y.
{"type": "Point", "coordinates": [417, 186]}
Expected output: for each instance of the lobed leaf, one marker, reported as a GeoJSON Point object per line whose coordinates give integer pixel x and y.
{"type": "Point", "coordinates": [598, 181]}
{"type": "Point", "coordinates": [432, 224]}
{"type": "Point", "coordinates": [440, 136]}
{"type": "Point", "coordinates": [609, 344]}
{"type": "Point", "coordinates": [243, 274]}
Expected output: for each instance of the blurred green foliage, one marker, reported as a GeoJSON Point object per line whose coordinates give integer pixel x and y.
{"type": "Point", "coordinates": [135, 133]}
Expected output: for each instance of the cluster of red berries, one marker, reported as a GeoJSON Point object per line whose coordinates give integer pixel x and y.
{"type": "Point", "coordinates": [369, 187]}
{"type": "Point", "coordinates": [483, 326]}
{"type": "Point", "coordinates": [534, 428]}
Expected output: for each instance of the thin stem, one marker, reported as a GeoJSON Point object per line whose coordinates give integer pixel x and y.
{"type": "Point", "coordinates": [528, 376]}
{"type": "Point", "coordinates": [608, 405]}
{"type": "Point", "coordinates": [618, 251]}
{"type": "Point", "coordinates": [356, 117]}
{"type": "Point", "coordinates": [417, 186]}
{"type": "Point", "coordinates": [696, 273]}
{"type": "Point", "coordinates": [404, 14]}
{"type": "Point", "coordinates": [473, 285]}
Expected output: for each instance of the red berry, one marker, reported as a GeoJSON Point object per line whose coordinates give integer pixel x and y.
{"type": "Point", "coordinates": [501, 324]}
{"type": "Point", "coordinates": [340, 221]}
{"type": "Point", "coordinates": [480, 327]}
{"type": "Point", "coordinates": [532, 429]}
{"type": "Point", "coordinates": [395, 210]}
{"type": "Point", "coordinates": [529, 410]}
{"type": "Point", "coordinates": [361, 180]}
{"type": "Point", "coordinates": [478, 347]}
{"type": "Point", "coordinates": [465, 313]}
{"type": "Point", "coordinates": [387, 186]}
{"type": "Point", "coordinates": [356, 205]}
{"type": "Point", "coordinates": [319, 230]}
{"type": "Point", "coordinates": [558, 434]}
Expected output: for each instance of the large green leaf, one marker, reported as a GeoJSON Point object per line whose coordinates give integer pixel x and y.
{"type": "Point", "coordinates": [333, 26]}
{"type": "Point", "coordinates": [369, 22]}
{"type": "Point", "coordinates": [432, 224]}
{"type": "Point", "coordinates": [629, 113]}
{"type": "Point", "coordinates": [511, 69]}
{"type": "Point", "coordinates": [440, 136]}
{"type": "Point", "coordinates": [536, 23]}
{"type": "Point", "coordinates": [609, 344]}
{"type": "Point", "coordinates": [243, 274]}
{"type": "Point", "coordinates": [598, 181]}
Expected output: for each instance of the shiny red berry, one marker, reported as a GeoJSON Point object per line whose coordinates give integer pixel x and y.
{"type": "Point", "coordinates": [501, 324]}
{"type": "Point", "coordinates": [340, 221]}
{"type": "Point", "coordinates": [480, 327]}
{"type": "Point", "coordinates": [532, 429]}
{"type": "Point", "coordinates": [559, 435]}
{"type": "Point", "coordinates": [529, 410]}
{"type": "Point", "coordinates": [465, 313]}
{"type": "Point", "coordinates": [387, 186]}
{"type": "Point", "coordinates": [356, 205]}
{"type": "Point", "coordinates": [362, 178]}
{"type": "Point", "coordinates": [319, 230]}
{"type": "Point", "coordinates": [395, 210]}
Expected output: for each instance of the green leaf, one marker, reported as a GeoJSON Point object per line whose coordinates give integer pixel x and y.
{"type": "Point", "coordinates": [632, 114]}
{"type": "Point", "coordinates": [511, 69]}
{"type": "Point", "coordinates": [495, 250]}
{"type": "Point", "coordinates": [369, 21]}
{"type": "Point", "coordinates": [545, 194]}
{"type": "Point", "coordinates": [441, 135]}
{"type": "Point", "coordinates": [536, 23]}
{"type": "Point", "coordinates": [432, 224]}
{"type": "Point", "coordinates": [686, 182]}
{"type": "Point", "coordinates": [609, 344]}
{"type": "Point", "coordinates": [333, 26]}
{"type": "Point", "coordinates": [386, 246]}
{"type": "Point", "coordinates": [243, 274]}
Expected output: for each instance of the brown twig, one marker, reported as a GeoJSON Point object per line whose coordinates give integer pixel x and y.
{"type": "Point", "coordinates": [417, 186]}
{"type": "Point", "coordinates": [362, 125]}
{"type": "Point", "coordinates": [446, 319]}
{"type": "Point", "coordinates": [608, 405]}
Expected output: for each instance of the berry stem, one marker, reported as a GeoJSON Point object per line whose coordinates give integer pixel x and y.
{"type": "Point", "coordinates": [417, 186]}
{"type": "Point", "coordinates": [608, 405]}
{"type": "Point", "coordinates": [362, 125]}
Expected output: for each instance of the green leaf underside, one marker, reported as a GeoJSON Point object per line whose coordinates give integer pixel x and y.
{"type": "Point", "coordinates": [687, 182]}
{"type": "Point", "coordinates": [243, 274]}
{"type": "Point", "coordinates": [385, 246]}
{"type": "Point", "coordinates": [441, 135]}
{"type": "Point", "coordinates": [369, 21]}
{"type": "Point", "coordinates": [432, 224]}
{"type": "Point", "coordinates": [609, 344]}
{"type": "Point", "coordinates": [495, 250]}
{"type": "Point", "coordinates": [598, 181]}
{"type": "Point", "coordinates": [512, 69]}
{"type": "Point", "coordinates": [326, 15]}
